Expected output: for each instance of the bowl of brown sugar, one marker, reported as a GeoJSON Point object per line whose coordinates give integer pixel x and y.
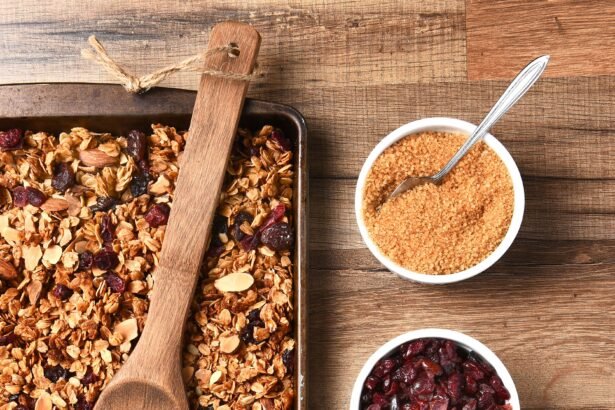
{"type": "Point", "coordinates": [441, 233]}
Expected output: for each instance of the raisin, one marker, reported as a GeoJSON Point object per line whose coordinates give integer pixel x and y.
{"type": "Point", "coordinates": [11, 139]}
{"type": "Point", "coordinates": [278, 236]}
{"type": "Point", "coordinates": [62, 292]}
{"type": "Point", "coordinates": [281, 140]}
{"type": "Point", "coordinates": [288, 359]}
{"type": "Point", "coordinates": [104, 203]}
{"type": "Point", "coordinates": [139, 183]}
{"type": "Point", "coordinates": [115, 283]}
{"type": "Point", "coordinates": [20, 196]}
{"type": "Point", "coordinates": [219, 227]}
{"type": "Point", "coordinates": [158, 215]}
{"type": "Point", "coordinates": [106, 259]}
{"type": "Point", "coordinates": [55, 373]}
{"type": "Point", "coordinates": [137, 144]}
{"type": "Point", "coordinates": [241, 217]}
{"type": "Point", "coordinates": [36, 197]}
{"type": "Point", "coordinates": [63, 177]}
{"type": "Point", "coordinates": [85, 260]}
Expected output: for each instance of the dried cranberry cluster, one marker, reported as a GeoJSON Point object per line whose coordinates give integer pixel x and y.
{"type": "Point", "coordinates": [433, 374]}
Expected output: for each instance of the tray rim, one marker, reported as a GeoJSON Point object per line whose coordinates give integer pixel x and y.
{"type": "Point", "coordinates": [254, 107]}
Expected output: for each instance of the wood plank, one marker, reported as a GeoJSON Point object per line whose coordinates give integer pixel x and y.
{"type": "Point", "coordinates": [306, 44]}
{"type": "Point", "coordinates": [502, 36]}
{"type": "Point", "coordinates": [547, 323]}
{"type": "Point", "coordinates": [563, 127]}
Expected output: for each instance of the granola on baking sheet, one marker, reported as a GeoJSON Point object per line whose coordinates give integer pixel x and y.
{"type": "Point", "coordinates": [239, 350]}
{"type": "Point", "coordinates": [82, 219]}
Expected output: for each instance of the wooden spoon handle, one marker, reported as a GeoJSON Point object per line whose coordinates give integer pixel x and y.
{"type": "Point", "coordinates": [215, 118]}
{"type": "Point", "coordinates": [151, 378]}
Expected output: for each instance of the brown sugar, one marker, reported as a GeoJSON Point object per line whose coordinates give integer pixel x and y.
{"type": "Point", "coordinates": [438, 229]}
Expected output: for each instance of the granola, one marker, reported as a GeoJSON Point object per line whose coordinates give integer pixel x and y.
{"type": "Point", "coordinates": [82, 220]}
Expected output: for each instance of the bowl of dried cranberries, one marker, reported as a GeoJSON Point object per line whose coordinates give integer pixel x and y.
{"type": "Point", "coordinates": [434, 369]}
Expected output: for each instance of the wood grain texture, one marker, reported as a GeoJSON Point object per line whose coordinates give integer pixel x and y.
{"type": "Point", "coordinates": [151, 378]}
{"type": "Point", "coordinates": [312, 43]}
{"type": "Point", "coordinates": [359, 69]}
{"type": "Point", "coordinates": [502, 36]}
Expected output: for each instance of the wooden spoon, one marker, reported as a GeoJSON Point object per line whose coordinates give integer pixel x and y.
{"type": "Point", "coordinates": [151, 378]}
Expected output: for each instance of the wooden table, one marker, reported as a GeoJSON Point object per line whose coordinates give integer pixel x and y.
{"type": "Point", "coordinates": [359, 69]}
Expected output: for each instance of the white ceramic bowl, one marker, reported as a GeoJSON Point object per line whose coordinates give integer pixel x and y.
{"type": "Point", "coordinates": [444, 125]}
{"type": "Point", "coordinates": [461, 339]}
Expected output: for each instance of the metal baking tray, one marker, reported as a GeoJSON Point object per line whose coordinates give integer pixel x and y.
{"type": "Point", "coordinates": [108, 108]}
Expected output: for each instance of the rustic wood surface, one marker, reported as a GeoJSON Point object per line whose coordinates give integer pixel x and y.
{"type": "Point", "coordinates": [359, 69]}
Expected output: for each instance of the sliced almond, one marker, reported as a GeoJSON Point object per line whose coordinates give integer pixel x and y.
{"type": "Point", "coordinates": [215, 377]}
{"type": "Point", "coordinates": [55, 205]}
{"type": "Point", "coordinates": [32, 255]}
{"type": "Point", "coordinates": [7, 270]}
{"type": "Point", "coordinates": [228, 344]}
{"type": "Point", "coordinates": [235, 282]}
{"type": "Point", "coordinates": [97, 158]}
{"type": "Point", "coordinates": [43, 402]}
{"type": "Point", "coordinates": [128, 329]}
{"type": "Point", "coordinates": [52, 254]}
{"type": "Point", "coordinates": [34, 291]}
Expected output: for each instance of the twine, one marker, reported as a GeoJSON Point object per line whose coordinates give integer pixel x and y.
{"type": "Point", "coordinates": [138, 85]}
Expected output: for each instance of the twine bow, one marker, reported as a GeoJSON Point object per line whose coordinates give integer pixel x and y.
{"type": "Point", "coordinates": [138, 85]}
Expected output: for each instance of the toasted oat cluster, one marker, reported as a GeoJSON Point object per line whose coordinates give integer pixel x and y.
{"type": "Point", "coordinates": [239, 350]}
{"type": "Point", "coordinates": [82, 219]}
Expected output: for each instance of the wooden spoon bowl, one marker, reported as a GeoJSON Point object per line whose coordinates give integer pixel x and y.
{"type": "Point", "coordinates": [151, 378]}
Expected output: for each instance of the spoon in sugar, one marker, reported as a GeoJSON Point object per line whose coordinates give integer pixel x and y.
{"type": "Point", "coordinates": [517, 88]}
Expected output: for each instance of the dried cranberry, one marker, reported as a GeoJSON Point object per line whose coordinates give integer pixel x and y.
{"type": "Point", "coordinates": [372, 382]}
{"type": "Point", "coordinates": [36, 197]}
{"type": "Point", "coordinates": [405, 374]}
{"type": "Point", "coordinates": [11, 139]}
{"type": "Point", "coordinates": [7, 339]}
{"type": "Point", "coordinates": [62, 292]}
{"type": "Point", "coordinates": [85, 260]}
{"type": "Point", "coordinates": [104, 203]}
{"type": "Point", "coordinates": [115, 283]}
{"type": "Point", "coordinates": [288, 359]}
{"type": "Point", "coordinates": [137, 145]}
{"type": "Point", "coordinates": [249, 243]}
{"type": "Point", "coordinates": [89, 377]}
{"type": "Point", "coordinates": [472, 369]}
{"type": "Point", "coordinates": [276, 215]}
{"type": "Point", "coordinates": [107, 229]}
{"type": "Point", "coordinates": [63, 177]}
{"type": "Point", "coordinates": [433, 374]}
{"type": "Point", "coordinates": [20, 196]}
{"type": "Point", "coordinates": [219, 227]}
{"type": "Point", "coordinates": [501, 391]}
{"type": "Point", "coordinates": [158, 215]}
{"type": "Point", "coordinates": [278, 236]}
{"type": "Point", "coordinates": [106, 259]}
{"type": "Point", "coordinates": [284, 143]}
{"type": "Point", "coordinates": [240, 218]}
{"type": "Point", "coordinates": [55, 373]}
{"type": "Point", "coordinates": [139, 183]}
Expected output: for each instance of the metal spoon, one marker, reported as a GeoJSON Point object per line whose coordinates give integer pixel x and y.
{"type": "Point", "coordinates": [517, 88]}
